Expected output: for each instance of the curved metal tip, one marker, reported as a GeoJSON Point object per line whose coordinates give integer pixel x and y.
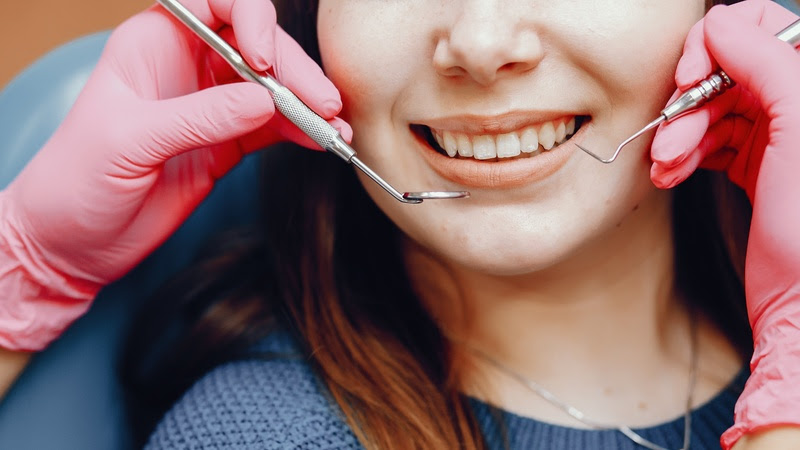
{"type": "Point", "coordinates": [647, 128]}
{"type": "Point", "coordinates": [598, 157]}
{"type": "Point", "coordinates": [418, 197]}
{"type": "Point", "coordinates": [408, 197]}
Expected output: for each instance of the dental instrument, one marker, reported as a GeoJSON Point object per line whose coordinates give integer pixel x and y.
{"type": "Point", "coordinates": [294, 109]}
{"type": "Point", "coordinates": [703, 92]}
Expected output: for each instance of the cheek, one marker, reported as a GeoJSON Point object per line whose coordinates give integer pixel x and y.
{"type": "Point", "coordinates": [341, 66]}
{"type": "Point", "coordinates": [638, 51]}
{"type": "Point", "coordinates": [368, 53]}
{"type": "Point", "coordinates": [624, 52]}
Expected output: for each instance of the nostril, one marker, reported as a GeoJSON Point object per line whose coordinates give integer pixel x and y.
{"type": "Point", "coordinates": [516, 67]}
{"type": "Point", "coordinates": [509, 67]}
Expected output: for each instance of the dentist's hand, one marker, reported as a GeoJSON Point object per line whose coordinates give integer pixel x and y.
{"type": "Point", "coordinates": [753, 133]}
{"type": "Point", "coordinates": [161, 118]}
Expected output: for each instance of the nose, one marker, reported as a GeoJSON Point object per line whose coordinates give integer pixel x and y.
{"type": "Point", "coordinates": [486, 42]}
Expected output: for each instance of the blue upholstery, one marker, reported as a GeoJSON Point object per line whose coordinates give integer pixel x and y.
{"type": "Point", "coordinates": [69, 397]}
{"type": "Point", "coordinates": [792, 5]}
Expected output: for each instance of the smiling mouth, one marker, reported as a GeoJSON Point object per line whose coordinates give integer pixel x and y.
{"type": "Point", "coordinates": [525, 142]}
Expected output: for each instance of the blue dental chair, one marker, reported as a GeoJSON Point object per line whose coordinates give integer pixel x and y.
{"type": "Point", "coordinates": [70, 396]}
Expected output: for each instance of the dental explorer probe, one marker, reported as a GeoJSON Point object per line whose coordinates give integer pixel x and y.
{"type": "Point", "coordinates": [293, 108]}
{"type": "Point", "coordinates": [703, 92]}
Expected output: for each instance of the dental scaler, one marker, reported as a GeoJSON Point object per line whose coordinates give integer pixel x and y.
{"type": "Point", "coordinates": [294, 109]}
{"type": "Point", "coordinates": [705, 91]}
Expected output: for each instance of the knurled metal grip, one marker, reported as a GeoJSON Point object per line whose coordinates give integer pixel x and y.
{"type": "Point", "coordinates": [307, 120]}
{"type": "Point", "coordinates": [287, 103]}
{"type": "Point", "coordinates": [701, 93]}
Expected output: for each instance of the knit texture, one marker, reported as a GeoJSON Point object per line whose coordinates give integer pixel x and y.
{"type": "Point", "coordinates": [277, 402]}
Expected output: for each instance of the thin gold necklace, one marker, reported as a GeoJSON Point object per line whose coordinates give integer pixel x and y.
{"type": "Point", "coordinates": [597, 425]}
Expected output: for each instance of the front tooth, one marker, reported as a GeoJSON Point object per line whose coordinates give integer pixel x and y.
{"type": "Point", "coordinates": [561, 132]}
{"type": "Point", "coordinates": [507, 145]}
{"type": "Point", "coordinates": [437, 136]}
{"type": "Point", "coordinates": [529, 140]}
{"type": "Point", "coordinates": [464, 145]}
{"type": "Point", "coordinates": [571, 126]}
{"type": "Point", "coordinates": [484, 147]}
{"type": "Point", "coordinates": [450, 145]}
{"type": "Point", "coordinates": [547, 135]}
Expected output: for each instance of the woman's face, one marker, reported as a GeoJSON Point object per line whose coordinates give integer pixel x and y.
{"type": "Point", "coordinates": [481, 95]}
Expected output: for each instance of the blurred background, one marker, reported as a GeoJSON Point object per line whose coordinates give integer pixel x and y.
{"type": "Point", "coordinates": [31, 28]}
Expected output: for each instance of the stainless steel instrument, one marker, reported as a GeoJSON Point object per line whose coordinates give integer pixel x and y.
{"type": "Point", "coordinates": [294, 109]}
{"type": "Point", "coordinates": [706, 90]}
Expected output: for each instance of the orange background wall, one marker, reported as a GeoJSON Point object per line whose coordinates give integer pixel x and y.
{"type": "Point", "coordinates": [30, 28]}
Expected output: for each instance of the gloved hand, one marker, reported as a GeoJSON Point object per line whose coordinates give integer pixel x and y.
{"type": "Point", "coordinates": [753, 133]}
{"type": "Point", "coordinates": [138, 152]}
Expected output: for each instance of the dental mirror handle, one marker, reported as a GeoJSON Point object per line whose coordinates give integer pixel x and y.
{"type": "Point", "coordinates": [290, 106]}
{"type": "Point", "coordinates": [719, 82]}
{"type": "Point", "coordinates": [285, 101]}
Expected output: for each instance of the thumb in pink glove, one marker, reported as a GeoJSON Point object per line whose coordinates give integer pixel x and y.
{"type": "Point", "coordinates": [753, 133]}
{"type": "Point", "coordinates": [138, 152]}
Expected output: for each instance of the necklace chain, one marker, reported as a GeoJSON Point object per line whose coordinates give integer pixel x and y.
{"type": "Point", "coordinates": [581, 417]}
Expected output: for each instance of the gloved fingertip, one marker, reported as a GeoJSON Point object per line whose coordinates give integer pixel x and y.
{"type": "Point", "coordinates": [344, 129]}
{"type": "Point", "coordinates": [666, 164]}
{"type": "Point", "coordinates": [666, 152]}
{"type": "Point", "coordinates": [331, 107]}
{"type": "Point", "coordinates": [263, 59]}
{"type": "Point", "coordinates": [209, 117]}
{"type": "Point", "coordinates": [716, 16]}
{"type": "Point", "coordinates": [315, 89]}
{"type": "Point", "coordinates": [695, 63]}
{"type": "Point", "coordinates": [266, 52]}
{"type": "Point", "coordinates": [656, 170]}
{"type": "Point", "coordinates": [260, 63]}
{"type": "Point", "coordinates": [670, 160]}
{"type": "Point", "coordinates": [675, 141]}
{"type": "Point", "coordinates": [689, 73]}
{"type": "Point", "coordinates": [720, 20]}
{"type": "Point", "coordinates": [665, 177]}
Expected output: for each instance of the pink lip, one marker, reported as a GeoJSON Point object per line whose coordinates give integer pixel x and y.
{"type": "Point", "coordinates": [497, 124]}
{"type": "Point", "coordinates": [473, 173]}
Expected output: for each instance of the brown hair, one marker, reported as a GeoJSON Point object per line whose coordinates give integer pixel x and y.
{"type": "Point", "coordinates": [326, 264]}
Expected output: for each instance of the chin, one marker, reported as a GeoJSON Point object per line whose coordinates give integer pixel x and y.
{"type": "Point", "coordinates": [510, 264]}
{"type": "Point", "coordinates": [511, 250]}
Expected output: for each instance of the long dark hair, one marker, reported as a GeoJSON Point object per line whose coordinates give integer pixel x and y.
{"type": "Point", "coordinates": [325, 263]}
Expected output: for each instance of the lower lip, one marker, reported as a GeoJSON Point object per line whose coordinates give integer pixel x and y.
{"type": "Point", "coordinates": [501, 174]}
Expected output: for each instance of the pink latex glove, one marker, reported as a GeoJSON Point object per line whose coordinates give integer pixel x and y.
{"type": "Point", "coordinates": [753, 133]}
{"type": "Point", "coordinates": [138, 152]}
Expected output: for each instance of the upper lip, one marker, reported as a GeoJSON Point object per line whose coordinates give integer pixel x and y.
{"type": "Point", "coordinates": [495, 124]}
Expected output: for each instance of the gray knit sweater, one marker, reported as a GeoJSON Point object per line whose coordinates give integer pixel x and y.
{"type": "Point", "coordinates": [279, 403]}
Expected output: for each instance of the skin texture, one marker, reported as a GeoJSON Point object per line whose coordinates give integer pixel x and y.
{"type": "Point", "coordinates": [11, 365]}
{"type": "Point", "coordinates": [499, 270]}
{"type": "Point", "coordinates": [780, 438]}
{"type": "Point", "coordinates": [494, 265]}
{"type": "Point", "coordinates": [449, 59]}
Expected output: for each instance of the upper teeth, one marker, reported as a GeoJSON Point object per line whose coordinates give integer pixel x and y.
{"type": "Point", "coordinates": [532, 139]}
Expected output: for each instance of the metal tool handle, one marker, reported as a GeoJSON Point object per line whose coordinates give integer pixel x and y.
{"type": "Point", "coordinates": [307, 120]}
{"type": "Point", "coordinates": [719, 82]}
{"type": "Point", "coordinates": [705, 90]}
{"type": "Point", "coordinates": [791, 34]}
{"type": "Point", "coordinates": [286, 102]}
